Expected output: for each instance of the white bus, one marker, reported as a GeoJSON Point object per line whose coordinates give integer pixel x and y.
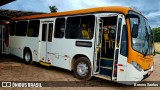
{"type": "Point", "coordinates": [96, 42]}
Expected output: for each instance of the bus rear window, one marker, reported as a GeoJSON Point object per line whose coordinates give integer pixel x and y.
{"type": "Point", "coordinates": [33, 28]}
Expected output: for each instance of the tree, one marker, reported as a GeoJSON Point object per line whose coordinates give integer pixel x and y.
{"type": "Point", "coordinates": [53, 9]}
{"type": "Point", "coordinates": [156, 32]}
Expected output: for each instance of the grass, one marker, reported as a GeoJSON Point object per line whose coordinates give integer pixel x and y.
{"type": "Point", "coordinates": [157, 52]}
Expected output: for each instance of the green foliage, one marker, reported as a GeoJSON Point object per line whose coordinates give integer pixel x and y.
{"type": "Point", "coordinates": [53, 9]}
{"type": "Point", "coordinates": [157, 52]}
{"type": "Point", "coordinates": [156, 32]}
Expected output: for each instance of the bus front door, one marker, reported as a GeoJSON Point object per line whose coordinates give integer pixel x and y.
{"type": "Point", "coordinates": [97, 56]}
{"type": "Point", "coordinates": [120, 53]}
{"type": "Point", "coordinates": [103, 60]}
{"type": "Point", "coordinates": [108, 57]}
{"type": "Point", "coordinates": [46, 42]}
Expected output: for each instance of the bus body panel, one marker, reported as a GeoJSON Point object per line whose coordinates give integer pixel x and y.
{"type": "Point", "coordinates": [62, 57]}
{"type": "Point", "coordinates": [17, 45]}
{"type": "Point", "coordinates": [145, 62]}
{"type": "Point", "coordinates": [62, 54]}
{"type": "Point", "coordinates": [133, 75]}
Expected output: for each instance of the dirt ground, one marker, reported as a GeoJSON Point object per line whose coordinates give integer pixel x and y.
{"type": "Point", "coordinates": [14, 69]}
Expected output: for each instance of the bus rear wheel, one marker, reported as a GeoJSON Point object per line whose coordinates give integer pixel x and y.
{"type": "Point", "coordinates": [28, 57]}
{"type": "Point", "coordinates": [82, 68]}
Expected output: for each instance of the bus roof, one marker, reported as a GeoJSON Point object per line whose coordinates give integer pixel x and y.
{"type": "Point", "coordinates": [76, 12]}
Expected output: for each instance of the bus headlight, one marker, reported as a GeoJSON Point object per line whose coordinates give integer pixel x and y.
{"type": "Point", "coordinates": [137, 66]}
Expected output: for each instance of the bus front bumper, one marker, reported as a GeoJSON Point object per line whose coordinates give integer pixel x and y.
{"type": "Point", "coordinates": [139, 75]}
{"type": "Point", "coordinates": [134, 76]}
{"type": "Point", "coordinates": [147, 73]}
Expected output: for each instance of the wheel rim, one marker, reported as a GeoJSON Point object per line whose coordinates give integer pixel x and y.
{"type": "Point", "coordinates": [82, 69]}
{"type": "Point", "coordinates": [27, 56]}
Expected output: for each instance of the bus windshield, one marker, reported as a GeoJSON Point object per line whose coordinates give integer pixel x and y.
{"type": "Point", "coordinates": [143, 43]}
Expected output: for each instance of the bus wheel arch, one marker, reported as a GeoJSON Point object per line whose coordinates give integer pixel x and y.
{"type": "Point", "coordinates": [75, 58]}
{"type": "Point", "coordinates": [27, 55]}
{"type": "Point", "coordinates": [80, 62]}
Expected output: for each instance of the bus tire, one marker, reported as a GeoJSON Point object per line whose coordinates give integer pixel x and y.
{"type": "Point", "coordinates": [28, 57]}
{"type": "Point", "coordinates": [82, 68]}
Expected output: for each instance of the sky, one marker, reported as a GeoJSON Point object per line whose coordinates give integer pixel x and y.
{"type": "Point", "coordinates": [149, 8]}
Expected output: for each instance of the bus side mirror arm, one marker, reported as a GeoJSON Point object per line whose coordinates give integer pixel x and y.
{"type": "Point", "coordinates": [133, 16]}
{"type": "Point", "coordinates": [154, 54]}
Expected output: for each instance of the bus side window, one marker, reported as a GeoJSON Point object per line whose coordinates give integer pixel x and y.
{"type": "Point", "coordinates": [12, 28]}
{"type": "Point", "coordinates": [59, 28]}
{"type": "Point", "coordinates": [50, 32]}
{"type": "Point", "coordinates": [33, 28]}
{"type": "Point", "coordinates": [87, 26]}
{"type": "Point", "coordinates": [44, 32]}
{"type": "Point", "coordinates": [81, 27]}
{"type": "Point", "coordinates": [73, 30]}
{"type": "Point", "coordinates": [21, 28]}
{"type": "Point", "coordinates": [124, 44]}
{"type": "Point", "coordinates": [119, 31]}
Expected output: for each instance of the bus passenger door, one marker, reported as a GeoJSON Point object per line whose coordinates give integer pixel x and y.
{"type": "Point", "coordinates": [120, 54]}
{"type": "Point", "coordinates": [49, 43]}
{"type": "Point", "coordinates": [97, 56]}
{"type": "Point", "coordinates": [2, 39]}
{"type": "Point", "coordinates": [45, 44]}
{"type": "Point", "coordinates": [104, 47]}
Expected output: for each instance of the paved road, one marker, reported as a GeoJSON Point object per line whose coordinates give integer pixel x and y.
{"type": "Point", "coordinates": [14, 69]}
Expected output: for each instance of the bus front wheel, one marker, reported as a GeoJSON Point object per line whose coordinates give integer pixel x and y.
{"type": "Point", "coordinates": [28, 57]}
{"type": "Point", "coordinates": [82, 68]}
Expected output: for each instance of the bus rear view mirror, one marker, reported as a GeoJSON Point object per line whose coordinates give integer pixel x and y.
{"type": "Point", "coordinates": [135, 21]}
{"type": "Point", "coordinates": [135, 30]}
{"type": "Point", "coordinates": [133, 16]}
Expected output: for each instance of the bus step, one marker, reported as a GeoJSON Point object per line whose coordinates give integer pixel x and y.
{"type": "Point", "coordinates": [103, 77]}
{"type": "Point", "coordinates": [45, 64]}
{"type": "Point", "coordinates": [110, 68]}
{"type": "Point", "coordinates": [106, 71]}
{"type": "Point", "coordinates": [106, 62]}
{"type": "Point", "coordinates": [103, 58]}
